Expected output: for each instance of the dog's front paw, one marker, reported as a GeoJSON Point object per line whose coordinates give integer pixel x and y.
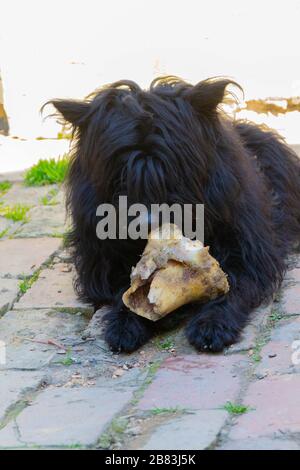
{"type": "Point", "coordinates": [210, 333]}
{"type": "Point", "coordinates": [126, 332]}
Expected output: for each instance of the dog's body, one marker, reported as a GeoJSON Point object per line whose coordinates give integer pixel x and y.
{"type": "Point", "coordinates": [171, 144]}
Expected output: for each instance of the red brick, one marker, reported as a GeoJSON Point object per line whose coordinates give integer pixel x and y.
{"type": "Point", "coordinates": [276, 408]}
{"type": "Point", "coordinates": [277, 354]}
{"type": "Point", "coordinates": [195, 382]}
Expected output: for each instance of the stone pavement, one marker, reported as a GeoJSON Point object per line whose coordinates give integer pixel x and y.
{"type": "Point", "coordinates": [60, 386]}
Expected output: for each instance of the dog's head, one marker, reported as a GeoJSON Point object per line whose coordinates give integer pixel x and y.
{"type": "Point", "coordinates": [151, 145]}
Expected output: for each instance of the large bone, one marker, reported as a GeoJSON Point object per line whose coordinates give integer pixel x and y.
{"type": "Point", "coordinates": [172, 272]}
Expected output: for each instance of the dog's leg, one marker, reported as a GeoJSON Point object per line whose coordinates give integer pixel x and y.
{"type": "Point", "coordinates": [219, 323]}
{"type": "Point", "coordinates": [255, 269]}
{"type": "Point", "coordinates": [126, 331]}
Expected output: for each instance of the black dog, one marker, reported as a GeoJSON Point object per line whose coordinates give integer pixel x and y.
{"type": "Point", "coordinates": [171, 144]}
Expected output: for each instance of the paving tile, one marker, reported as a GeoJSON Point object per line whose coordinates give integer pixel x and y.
{"type": "Point", "coordinates": [19, 258]}
{"type": "Point", "coordinates": [195, 382]}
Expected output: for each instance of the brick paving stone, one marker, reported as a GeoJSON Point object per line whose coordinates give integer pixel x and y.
{"type": "Point", "coordinates": [291, 300]}
{"type": "Point", "coordinates": [276, 408]}
{"type": "Point", "coordinates": [261, 443]}
{"type": "Point", "coordinates": [195, 382]}
{"type": "Point", "coordinates": [279, 354]}
{"type": "Point", "coordinates": [17, 328]}
{"type": "Point", "coordinates": [20, 194]}
{"type": "Point", "coordinates": [9, 289]}
{"type": "Point", "coordinates": [191, 431]}
{"type": "Point", "coordinates": [14, 385]}
{"type": "Point", "coordinates": [9, 438]}
{"type": "Point", "coordinates": [250, 332]}
{"type": "Point", "coordinates": [68, 416]}
{"type": "Point", "coordinates": [44, 221]}
{"type": "Point", "coordinates": [53, 289]}
{"type": "Point", "coordinates": [19, 258]}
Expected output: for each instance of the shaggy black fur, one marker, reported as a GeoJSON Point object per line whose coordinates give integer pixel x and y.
{"type": "Point", "coordinates": [170, 144]}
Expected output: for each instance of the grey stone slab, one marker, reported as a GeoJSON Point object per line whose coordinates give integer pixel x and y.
{"type": "Point", "coordinates": [68, 417]}
{"type": "Point", "coordinates": [20, 194]}
{"type": "Point", "coordinates": [19, 258]}
{"type": "Point", "coordinates": [195, 431]}
{"type": "Point", "coordinates": [8, 294]}
{"type": "Point", "coordinates": [44, 221]}
{"type": "Point", "coordinates": [14, 385]}
{"type": "Point", "coordinates": [53, 289]}
{"type": "Point", "coordinates": [21, 331]}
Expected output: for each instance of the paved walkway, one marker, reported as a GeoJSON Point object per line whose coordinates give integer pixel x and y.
{"type": "Point", "coordinates": [60, 386]}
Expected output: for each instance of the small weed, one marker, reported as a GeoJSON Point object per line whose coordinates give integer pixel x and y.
{"type": "Point", "coordinates": [114, 432]}
{"type": "Point", "coordinates": [261, 342]}
{"type": "Point", "coordinates": [4, 187]}
{"type": "Point", "coordinates": [164, 344]}
{"type": "Point", "coordinates": [66, 236]}
{"type": "Point", "coordinates": [3, 233]}
{"type": "Point", "coordinates": [26, 284]}
{"type": "Point", "coordinates": [68, 360]}
{"type": "Point", "coordinates": [48, 199]}
{"type": "Point", "coordinates": [152, 369]}
{"type": "Point", "coordinates": [64, 135]}
{"type": "Point", "coordinates": [160, 411]}
{"type": "Point", "coordinates": [276, 315]}
{"type": "Point", "coordinates": [16, 213]}
{"type": "Point", "coordinates": [56, 235]}
{"type": "Point", "coordinates": [75, 446]}
{"type": "Point", "coordinates": [47, 172]}
{"type": "Point", "coordinates": [235, 409]}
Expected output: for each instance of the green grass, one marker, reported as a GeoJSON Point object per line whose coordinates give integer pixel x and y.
{"type": "Point", "coordinates": [26, 284]}
{"type": "Point", "coordinates": [164, 344]}
{"type": "Point", "coordinates": [160, 411]}
{"type": "Point", "coordinates": [4, 187]}
{"type": "Point", "coordinates": [114, 432]}
{"type": "Point", "coordinates": [64, 135]}
{"type": "Point", "coordinates": [275, 316]}
{"type": "Point", "coordinates": [49, 198]}
{"type": "Point", "coordinates": [152, 369]}
{"type": "Point", "coordinates": [3, 233]}
{"type": "Point", "coordinates": [235, 409]}
{"type": "Point", "coordinates": [68, 360]}
{"type": "Point", "coordinates": [47, 172]}
{"type": "Point", "coordinates": [16, 213]}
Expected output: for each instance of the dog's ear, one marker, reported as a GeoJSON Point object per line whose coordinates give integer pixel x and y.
{"type": "Point", "coordinates": [72, 111]}
{"type": "Point", "coordinates": [208, 94]}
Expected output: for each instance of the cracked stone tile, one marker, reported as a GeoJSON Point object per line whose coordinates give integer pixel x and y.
{"type": "Point", "coordinates": [195, 431]}
{"type": "Point", "coordinates": [21, 329]}
{"type": "Point", "coordinates": [14, 385]}
{"type": "Point", "coordinates": [44, 221]}
{"type": "Point", "coordinates": [248, 337]}
{"type": "Point", "coordinates": [68, 416]}
{"type": "Point", "coordinates": [20, 194]}
{"type": "Point", "coordinates": [21, 258]}
{"type": "Point", "coordinates": [9, 289]}
{"type": "Point", "coordinates": [53, 289]}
